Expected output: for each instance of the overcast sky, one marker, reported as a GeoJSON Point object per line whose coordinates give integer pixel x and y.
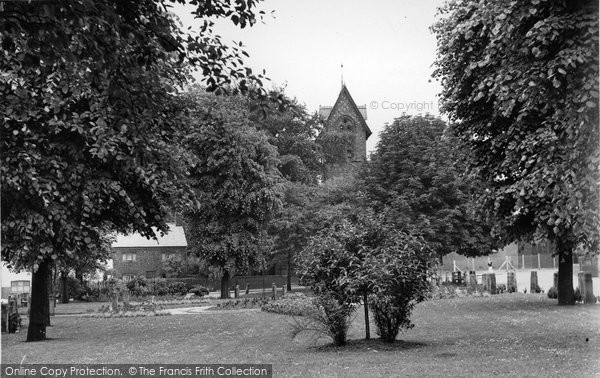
{"type": "Point", "coordinates": [385, 46]}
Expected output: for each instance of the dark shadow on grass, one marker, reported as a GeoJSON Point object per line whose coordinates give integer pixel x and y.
{"type": "Point", "coordinates": [361, 345]}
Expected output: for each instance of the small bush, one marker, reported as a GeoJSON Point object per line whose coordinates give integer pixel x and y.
{"type": "Point", "coordinates": [336, 317]}
{"type": "Point", "coordinates": [158, 287]}
{"type": "Point", "coordinates": [140, 291]}
{"type": "Point", "coordinates": [390, 313]}
{"type": "Point", "coordinates": [136, 282]}
{"type": "Point", "coordinates": [199, 290]}
{"type": "Point", "coordinates": [553, 293]}
{"type": "Point", "coordinates": [500, 288]}
{"type": "Point", "coordinates": [177, 288]}
{"type": "Point", "coordinates": [578, 296]}
{"type": "Point", "coordinates": [328, 317]}
{"type": "Point", "coordinates": [76, 288]}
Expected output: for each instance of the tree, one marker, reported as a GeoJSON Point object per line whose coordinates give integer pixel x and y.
{"type": "Point", "coordinates": [90, 123]}
{"type": "Point", "coordinates": [293, 132]}
{"type": "Point", "coordinates": [416, 177]}
{"type": "Point", "coordinates": [237, 185]}
{"type": "Point", "coordinates": [520, 80]}
{"type": "Point", "coordinates": [174, 266]}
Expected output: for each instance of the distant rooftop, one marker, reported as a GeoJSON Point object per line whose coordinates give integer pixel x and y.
{"type": "Point", "coordinates": [324, 111]}
{"type": "Point", "coordinates": [174, 238]}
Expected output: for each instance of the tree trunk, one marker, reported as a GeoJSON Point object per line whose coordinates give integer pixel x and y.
{"type": "Point", "coordinates": [289, 271]}
{"type": "Point", "coordinates": [48, 295]}
{"type": "Point", "coordinates": [65, 288]}
{"type": "Point", "coordinates": [225, 285]}
{"type": "Point", "coordinates": [566, 294]}
{"type": "Point", "coordinates": [36, 331]}
{"type": "Point", "coordinates": [367, 325]}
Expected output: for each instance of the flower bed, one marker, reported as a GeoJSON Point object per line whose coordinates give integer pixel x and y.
{"type": "Point", "coordinates": [296, 304]}
{"type": "Point", "coordinates": [129, 311]}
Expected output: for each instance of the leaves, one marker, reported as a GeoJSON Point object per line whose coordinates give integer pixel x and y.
{"type": "Point", "coordinates": [235, 179]}
{"type": "Point", "coordinates": [533, 132]}
{"type": "Point", "coordinates": [418, 179]}
{"type": "Point", "coordinates": [91, 120]}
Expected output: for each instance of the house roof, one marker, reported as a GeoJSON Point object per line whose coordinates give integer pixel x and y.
{"type": "Point", "coordinates": [174, 238]}
{"type": "Point", "coordinates": [325, 111]}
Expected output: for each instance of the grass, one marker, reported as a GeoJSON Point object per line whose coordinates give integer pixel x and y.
{"type": "Point", "coordinates": [508, 334]}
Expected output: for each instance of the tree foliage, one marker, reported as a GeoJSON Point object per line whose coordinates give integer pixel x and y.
{"type": "Point", "coordinates": [417, 177]}
{"type": "Point", "coordinates": [521, 81]}
{"type": "Point", "coordinates": [90, 119]}
{"type": "Point", "coordinates": [237, 184]}
{"type": "Point", "coordinates": [368, 258]}
{"type": "Point", "coordinates": [293, 132]}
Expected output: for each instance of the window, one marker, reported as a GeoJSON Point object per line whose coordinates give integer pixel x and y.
{"type": "Point", "coordinates": [128, 277]}
{"type": "Point", "coordinates": [19, 287]}
{"type": "Point", "coordinates": [346, 124]}
{"type": "Point", "coordinates": [130, 256]}
{"type": "Point", "coordinates": [150, 273]}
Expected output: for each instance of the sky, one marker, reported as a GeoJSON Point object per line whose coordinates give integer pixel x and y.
{"type": "Point", "coordinates": [385, 47]}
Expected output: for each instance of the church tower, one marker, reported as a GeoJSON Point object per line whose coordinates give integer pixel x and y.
{"type": "Point", "coordinates": [346, 116]}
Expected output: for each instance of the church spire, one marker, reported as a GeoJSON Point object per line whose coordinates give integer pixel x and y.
{"type": "Point", "coordinates": [342, 73]}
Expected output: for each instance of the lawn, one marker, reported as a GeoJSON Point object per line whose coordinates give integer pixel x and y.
{"type": "Point", "coordinates": [508, 334]}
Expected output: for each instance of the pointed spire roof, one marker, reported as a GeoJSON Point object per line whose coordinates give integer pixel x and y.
{"type": "Point", "coordinates": [326, 111]}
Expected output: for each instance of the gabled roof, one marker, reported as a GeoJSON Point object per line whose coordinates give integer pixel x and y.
{"type": "Point", "coordinates": [174, 238]}
{"type": "Point", "coordinates": [325, 111]}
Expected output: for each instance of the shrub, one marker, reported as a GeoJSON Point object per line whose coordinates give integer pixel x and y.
{"type": "Point", "coordinates": [390, 313]}
{"type": "Point", "coordinates": [400, 278]}
{"type": "Point", "coordinates": [91, 295]}
{"type": "Point", "coordinates": [173, 266]}
{"type": "Point", "coordinates": [199, 290]}
{"type": "Point", "coordinates": [140, 291]}
{"type": "Point", "coordinates": [348, 261]}
{"type": "Point", "coordinates": [578, 296]}
{"type": "Point", "coordinates": [553, 293]}
{"type": "Point", "coordinates": [136, 282]}
{"type": "Point", "coordinates": [177, 288]}
{"type": "Point", "coordinates": [158, 287]}
{"type": "Point", "coordinates": [76, 288]}
{"type": "Point", "coordinates": [335, 316]}
{"type": "Point", "coordinates": [500, 288]}
{"type": "Point", "coordinates": [327, 317]}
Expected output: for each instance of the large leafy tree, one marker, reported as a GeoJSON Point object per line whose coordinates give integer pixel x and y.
{"type": "Point", "coordinates": [237, 184]}
{"type": "Point", "coordinates": [416, 177]}
{"type": "Point", "coordinates": [89, 123]}
{"type": "Point", "coordinates": [520, 80]}
{"type": "Point", "coordinates": [293, 132]}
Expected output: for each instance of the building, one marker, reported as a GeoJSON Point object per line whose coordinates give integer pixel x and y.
{"type": "Point", "coordinates": [15, 283]}
{"type": "Point", "coordinates": [135, 255]}
{"type": "Point", "coordinates": [345, 115]}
